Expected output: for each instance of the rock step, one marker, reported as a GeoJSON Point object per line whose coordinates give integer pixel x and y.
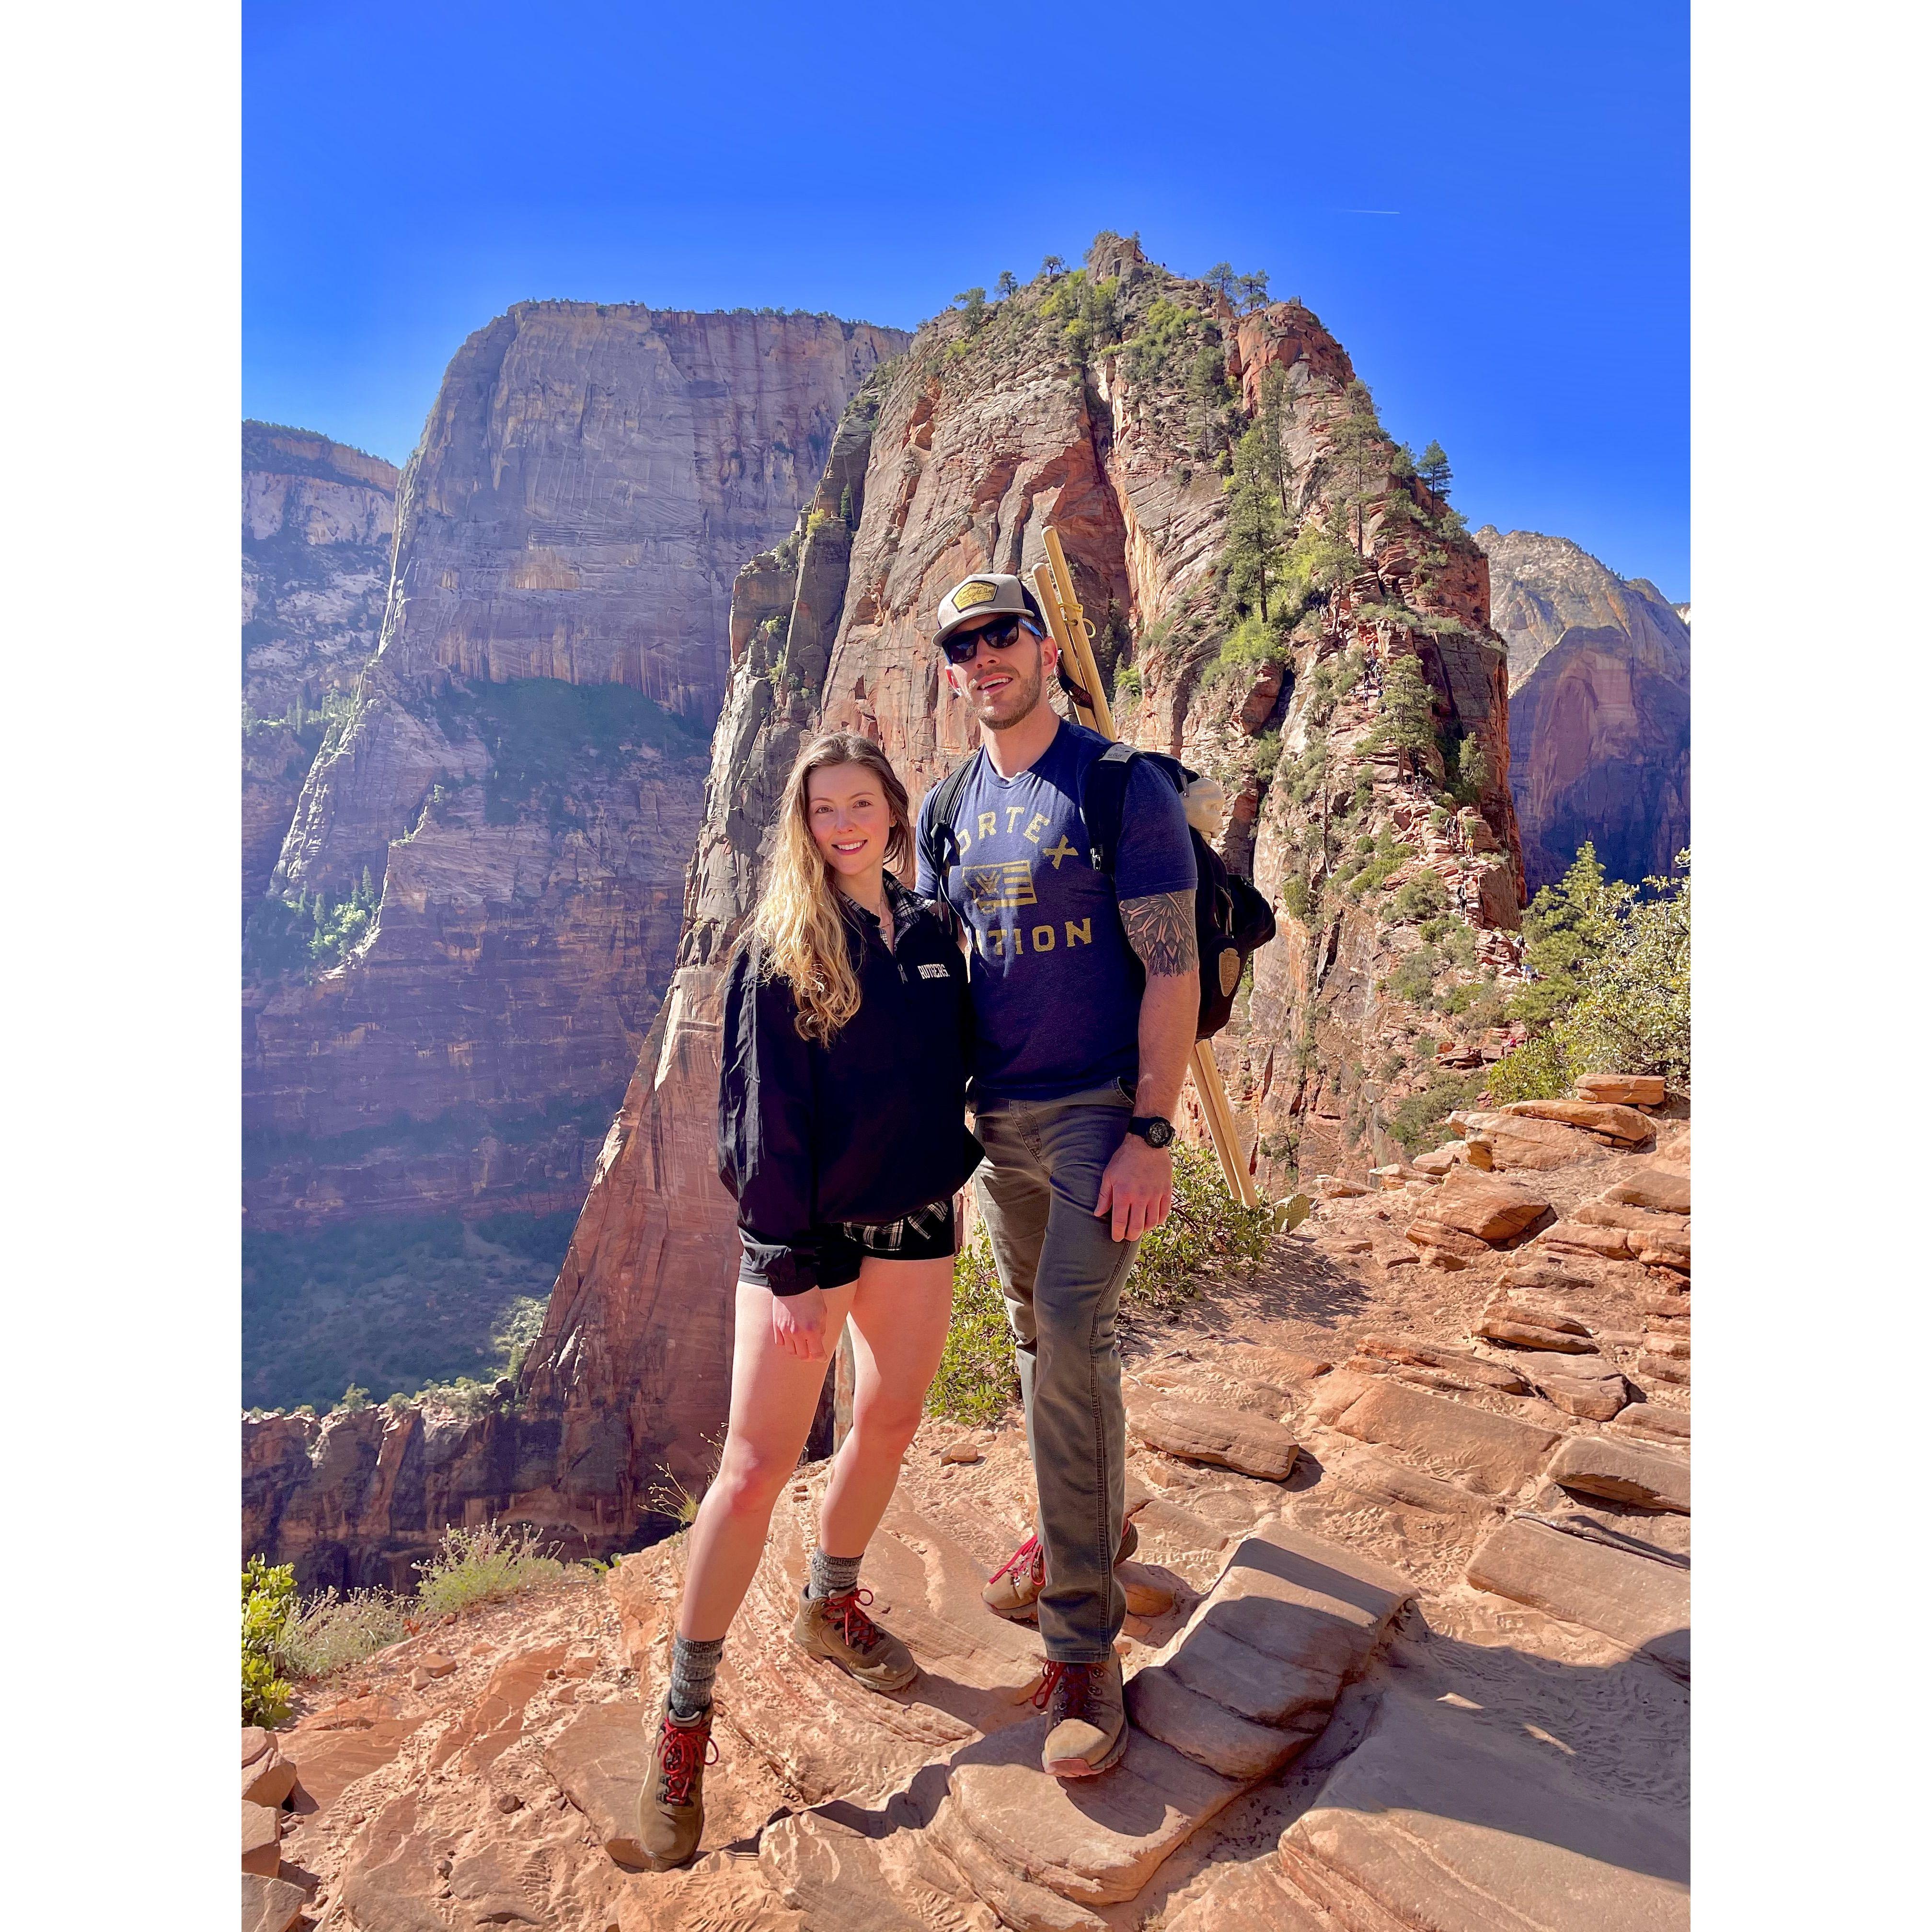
{"type": "Point", "coordinates": [1247, 1684]}
{"type": "Point", "coordinates": [1642, 1605]}
{"type": "Point", "coordinates": [1499, 1453]}
{"type": "Point", "coordinates": [1439, 1820]}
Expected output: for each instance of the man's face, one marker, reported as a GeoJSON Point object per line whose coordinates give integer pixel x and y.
{"type": "Point", "coordinates": [1001, 687]}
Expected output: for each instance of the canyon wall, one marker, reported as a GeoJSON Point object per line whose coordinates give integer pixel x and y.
{"type": "Point", "coordinates": [318, 525]}
{"type": "Point", "coordinates": [1108, 403]}
{"type": "Point", "coordinates": [515, 783]}
{"type": "Point", "coordinates": [1600, 709]}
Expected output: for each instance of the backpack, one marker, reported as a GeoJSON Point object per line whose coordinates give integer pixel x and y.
{"type": "Point", "coordinates": [1230, 918]}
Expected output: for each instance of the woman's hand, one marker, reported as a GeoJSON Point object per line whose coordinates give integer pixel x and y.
{"type": "Point", "coordinates": [798, 1324]}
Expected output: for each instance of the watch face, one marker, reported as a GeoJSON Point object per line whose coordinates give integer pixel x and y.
{"type": "Point", "coordinates": [1159, 1133]}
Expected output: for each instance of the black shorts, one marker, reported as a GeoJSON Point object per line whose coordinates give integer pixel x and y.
{"type": "Point", "coordinates": [926, 1234]}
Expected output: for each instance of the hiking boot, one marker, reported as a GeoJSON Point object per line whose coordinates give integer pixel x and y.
{"type": "Point", "coordinates": [1013, 1590]}
{"type": "Point", "coordinates": [837, 1628]}
{"type": "Point", "coordinates": [671, 1807]}
{"type": "Point", "coordinates": [1087, 1717]}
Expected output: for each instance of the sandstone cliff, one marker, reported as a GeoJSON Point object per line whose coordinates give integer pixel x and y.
{"type": "Point", "coordinates": [1107, 404]}
{"type": "Point", "coordinates": [518, 774]}
{"type": "Point", "coordinates": [318, 525]}
{"type": "Point", "coordinates": [1600, 708]}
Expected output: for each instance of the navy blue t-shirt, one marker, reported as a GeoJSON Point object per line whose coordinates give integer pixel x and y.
{"type": "Point", "coordinates": [1055, 1003]}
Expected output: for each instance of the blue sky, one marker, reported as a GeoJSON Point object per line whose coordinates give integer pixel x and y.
{"type": "Point", "coordinates": [1488, 203]}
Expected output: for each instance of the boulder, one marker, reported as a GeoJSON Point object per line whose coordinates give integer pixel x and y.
{"type": "Point", "coordinates": [1625, 1472]}
{"type": "Point", "coordinates": [1516, 1331]}
{"type": "Point", "coordinates": [1620, 1127]}
{"type": "Point", "coordinates": [1479, 1373]}
{"type": "Point", "coordinates": [1512, 1141]}
{"type": "Point", "coordinates": [261, 1839]}
{"type": "Point", "coordinates": [269, 1776]}
{"type": "Point", "coordinates": [270, 1904]}
{"type": "Point", "coordinates": [1493, 1210]}
{"type": "Point", "coordinates": [1537, 1274]}
{"type": "Point", "coordinates": [1609, 1244]}
{"type": "Point", "coordinates": [1644, 1221]}
{"type": "Point", "coordinates": [1622, 1089]}
{"type": "Point", "coordinates": [1664, 1369]}
{"type": "Point", "coordinates": [1441, 1245]}
{"type": "Point", "coordinates": [1644, 1605]}
{"type": "Point", "coordinates": [1230, 1437]}
{"type": "Point", "coordinates": [1653, 1423]}
{"type": "Point", "coordinates": [1585, 1386]}
{"type": "Point", "coordinates": [1500, 1453]}
{"type": "Point", "coordinates": [1336, 1187]}
{"type": "Point", "coordinates": [1655, 1187]}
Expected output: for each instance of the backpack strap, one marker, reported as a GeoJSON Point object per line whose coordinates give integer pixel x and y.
{"type": "Point", "coordinates": [1103, 797]}
{"type": "Point", "coordinates": [941, 850]}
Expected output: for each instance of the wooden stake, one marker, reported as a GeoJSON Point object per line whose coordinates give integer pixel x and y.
{"type": "Point", "coordinates": [1053, 583]}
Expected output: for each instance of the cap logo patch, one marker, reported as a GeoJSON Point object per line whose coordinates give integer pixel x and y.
{"type": "Point", "coordinates": [969, 594]}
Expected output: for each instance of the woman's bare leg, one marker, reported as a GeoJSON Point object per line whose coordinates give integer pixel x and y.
{"type": "Point", "coordinates": [899, 1317]}
{"type": "Point", "coordinates": [774, 1397]}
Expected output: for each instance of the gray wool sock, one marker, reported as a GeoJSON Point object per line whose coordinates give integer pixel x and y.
{"type": "Point", "coordinates": [833, 1576]}
{"type": "Point", "coordinates": [694, 1663]}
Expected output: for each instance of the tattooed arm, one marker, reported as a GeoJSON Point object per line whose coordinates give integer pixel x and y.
{"type": "Point", "coordinates": [1137, 1188]}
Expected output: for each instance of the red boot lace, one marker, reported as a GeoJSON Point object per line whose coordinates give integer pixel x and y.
{"type": "Point", "coordinates": [858, 1629]}
{"type": "Point", "coordinates": [683, 1751]}
{"type": "Point", "coordinates": [1052, 1675]}
{"type": "Point", "coordinates": [1029, 1552]}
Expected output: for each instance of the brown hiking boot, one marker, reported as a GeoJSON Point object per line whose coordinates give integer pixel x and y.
{"type": "Point", "coordinates": [1013, 1590]}
{"type": "Point", "coordinates": [837, 1628]}
{"type": "Point", "coordinates": [671, 1807]}
{"type": "Point", "coordinates": [1085, 1705]}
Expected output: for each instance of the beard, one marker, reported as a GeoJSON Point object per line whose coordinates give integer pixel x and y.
{"type": "Point", "coordinates": [1017, 701]}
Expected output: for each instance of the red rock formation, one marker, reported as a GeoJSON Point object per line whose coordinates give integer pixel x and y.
{"type": "Point", "coordinates": [521, 774]}
{"type": "Point", "coordinates": [959, 460]}
{"type": "Point", "coordinates": [1600, 703]}
{"type": "Point", "coordinates": [318, 524]}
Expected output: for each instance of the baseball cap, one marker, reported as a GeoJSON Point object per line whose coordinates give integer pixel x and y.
{"type": "Point", "coordinates": [987, 593]}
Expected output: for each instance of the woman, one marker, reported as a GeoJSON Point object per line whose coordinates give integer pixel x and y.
{"type": "Point", "coordinates": [841, 1131]}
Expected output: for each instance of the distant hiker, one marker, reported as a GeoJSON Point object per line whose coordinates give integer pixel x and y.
{"type": "Point", "coordinates": [841, 1131]}
{"type": "Point", "coordinates": [1085, 996]}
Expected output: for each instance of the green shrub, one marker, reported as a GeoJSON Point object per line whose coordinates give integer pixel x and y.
{"type": "Point", "coordinates": [1416, 1122]}
{"type": "Point", "coordinates": [1207, 1232]}
{"type": "Point", "coordinates": [1296, 898]}
{"type": "Point", "coordinates": [1611, 992]}
{"type": "Point", "coordinates": [1408, 723]}
{"type": "Point", "coordinates": [1424, 897]}
{"type": "Point", "coordinates": [1413, 979]}
{"type": "Point", "coordinates": [976, 1380]}
{"type": "Point", "coordinates": [331, 1631]}
{"type": "Point", "coordinates": [482, 1565]}
{"type": "Point", "coordinates": [268, 1601]}
{"type": "Point", "coordinates": [1127, 684]}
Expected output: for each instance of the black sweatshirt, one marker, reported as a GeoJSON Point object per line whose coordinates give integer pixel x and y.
{"type": "Point", "coordinates": [865, 1130]}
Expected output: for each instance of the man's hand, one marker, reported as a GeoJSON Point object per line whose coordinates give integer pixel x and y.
{"type": "Point", "coordinates": [798, 1324]}
{"type": "Point", "coordinates": [1137, 1188]}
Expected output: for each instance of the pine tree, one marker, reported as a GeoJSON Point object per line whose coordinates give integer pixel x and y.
{"type": "Point", "coordinates": [1408, 713]}
{"type": "Point", "coordinates": [1050, 266]}
{"type": "Point", "coordinates": [973, 300]}
{"type": "Point", "coordinates": [845, 516]}
{"type": "Point", "coordinates": [1250, 556]}
{"type": "Point", "coordinates": [368, 889]}
{"type": "Point", "coordinates": [1433, 468]}
{"type": "Point", "coordinates": [1253, 290]}
{"type": "Point", "coordinates": [1356, 438]}
{"type": "Point", "coordinates": [1008, 284]}
{"type": "Point", "coordinates": [1273, 422]}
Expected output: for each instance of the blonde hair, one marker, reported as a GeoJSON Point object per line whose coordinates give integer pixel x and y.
{"type": "Point", "coordinates": [799, 922]}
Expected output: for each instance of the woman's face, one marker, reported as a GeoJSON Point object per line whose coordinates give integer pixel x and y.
{"type": "Point", "coordinates": [845, 807]}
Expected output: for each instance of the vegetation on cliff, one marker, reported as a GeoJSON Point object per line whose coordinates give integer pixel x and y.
{"type": "Point", "coordinates": [1612, 989]}
{"type": "Point", "coordinates": [286, 1641]}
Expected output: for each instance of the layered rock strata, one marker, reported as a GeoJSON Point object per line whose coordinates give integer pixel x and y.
{"type": "Point", "coordinates": [517, 781]}
{"type": "Point", "coordinates": [989, 432]}
{"type": "Point", "coordinates": [1600, 709]}
{"type": "Point", "coordinates": [318, 526]}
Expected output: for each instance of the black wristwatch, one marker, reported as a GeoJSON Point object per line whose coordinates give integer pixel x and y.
{"type": "Point", "coordinates": [1152, 1128]}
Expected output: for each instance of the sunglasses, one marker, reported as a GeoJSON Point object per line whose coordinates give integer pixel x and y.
{"type": "Point", "coordinates": [1001, 634]}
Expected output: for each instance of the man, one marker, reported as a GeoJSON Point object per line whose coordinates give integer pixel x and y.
{"type": "Point", "coordinates": [1079, 1073]}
